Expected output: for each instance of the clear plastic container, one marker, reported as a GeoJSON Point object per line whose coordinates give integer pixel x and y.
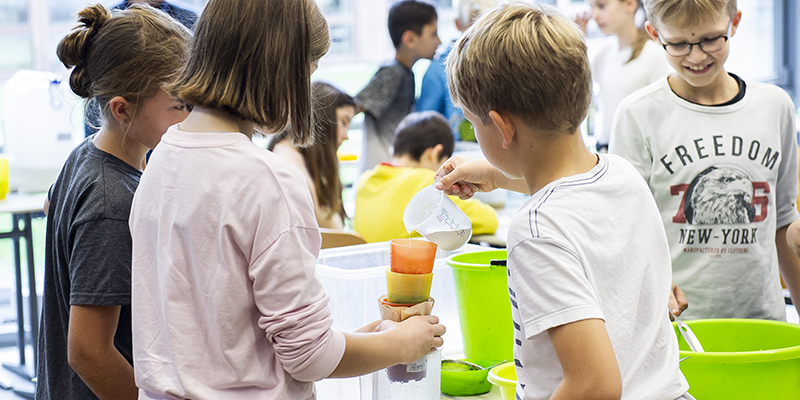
{"type": "Point", "coordinates": [42, 121]}
{"type": "Point", "coordinates": [420, 380]}
{"type": "Point", "coordinates": [355, 277]}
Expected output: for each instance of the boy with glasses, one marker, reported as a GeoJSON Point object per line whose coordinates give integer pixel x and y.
{"type": "Point", "coordinates": [720, 157]}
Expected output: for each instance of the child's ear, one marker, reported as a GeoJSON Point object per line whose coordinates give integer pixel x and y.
{"type": "Point", "coordinates": [436, 152]}
{"type": "Point", "coordinates": [651, 30]}
{"type": "Point", "coordinates": [505, 125]}
{"type": "Point", "coordinates": [121, 109]}
{"type": "Point", "coordinates": [408, 39]}
{"type": "Point", "coordinates": [632, 5]}
{"type": "Point", "coordinates": [735, 22]}
{"type": "Point", "coordinates": [458, 25]}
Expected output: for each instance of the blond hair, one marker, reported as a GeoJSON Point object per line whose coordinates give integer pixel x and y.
{"type": "Point", "coordinates": [252, 58]}
{"type": "Point", "coordinates": [130, 53]}
{"type": "Point", "coordinates": [526, 59]}
{"type": "Point", "coordinates": [684, 14]}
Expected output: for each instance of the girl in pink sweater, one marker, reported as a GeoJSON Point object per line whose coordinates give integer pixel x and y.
{"type": "Point", "coordinates": [225, 302]}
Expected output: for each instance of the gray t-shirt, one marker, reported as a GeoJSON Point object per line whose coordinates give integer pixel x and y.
{"type": "Point", "coordinates": [87, 260]}
{"type": "Point", "coordinates": [387, 99]}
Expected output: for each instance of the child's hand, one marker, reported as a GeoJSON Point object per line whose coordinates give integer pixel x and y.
{"type": "Point", "coordinates": [582, 20]}
{"type": "Point", "coordinates": [677, 302]}
{"type": "Point", "coordinates": [417, 335]}
{"type": "Point", "coordinates": [463, 177]}
{"type": "Point", "coordinates": [370, 327]}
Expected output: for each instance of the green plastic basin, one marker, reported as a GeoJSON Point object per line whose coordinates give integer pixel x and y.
{"type": "Point", "coordinates": [743, 359]}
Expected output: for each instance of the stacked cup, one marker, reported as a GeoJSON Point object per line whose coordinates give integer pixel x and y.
{"type": "Point", "coordinates": [408, 283]}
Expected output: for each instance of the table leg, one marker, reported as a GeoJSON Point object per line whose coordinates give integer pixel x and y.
{"type": "Point", "coordinates": [33, 297]}
{"type": "Point", "coordinates": [20, 311]}
{"type": "Point", "coordinates": [15, 234]}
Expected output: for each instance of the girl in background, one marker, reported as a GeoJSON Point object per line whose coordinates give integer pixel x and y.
{"type": "Point", "coordinates": [122, 60]}
{"type": "Point", "coordinates": [225, 242]}
{"type": "Point", "coordinates": [622, 66]}
{"type": "Point", "coordinates": [333, 111]}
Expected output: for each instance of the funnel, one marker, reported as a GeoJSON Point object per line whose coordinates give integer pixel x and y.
{"type": "Point", "coordinates": [438, 219]}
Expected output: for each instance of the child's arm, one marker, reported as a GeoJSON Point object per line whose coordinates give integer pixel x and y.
{"type": "Point", "coordinates": [787, 241]}
{"type": "Point", "coordinates": [587, 360]}
{"type": "Point", "coordinates": [462, 177]}
{"type": "Point", "coordinates": [395, 343]}
{"type": "Point", "coordinates": [91, 352]}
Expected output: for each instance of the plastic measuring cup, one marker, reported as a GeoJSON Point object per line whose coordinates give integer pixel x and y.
{"type": "Point", "coordinates": [438, 219]}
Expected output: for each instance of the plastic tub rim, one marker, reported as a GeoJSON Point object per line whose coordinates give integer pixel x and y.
{"type": "Point", "coordinates": [500, 381]}
{"type": "Point", "coordinates": [472, 267]}
{"type": "Point", "coordinates": [742, 357]}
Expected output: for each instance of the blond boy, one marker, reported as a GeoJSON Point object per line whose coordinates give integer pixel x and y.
{"type": "Point", "coordinates": [720, 157]}
{"type": "Point", "coordinates": [588, 262]}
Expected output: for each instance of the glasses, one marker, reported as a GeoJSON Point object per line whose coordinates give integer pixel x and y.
{"type": "Point", "coordinates": [708, 45]}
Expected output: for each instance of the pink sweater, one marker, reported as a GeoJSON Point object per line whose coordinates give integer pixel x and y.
{"type": "Point", "coordinates": [225, 302]}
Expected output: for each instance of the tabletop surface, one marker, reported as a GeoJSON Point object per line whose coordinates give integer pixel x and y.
{"type": "Point", "coordinates": [17, 203]}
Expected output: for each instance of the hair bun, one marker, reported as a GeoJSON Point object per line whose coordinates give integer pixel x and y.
{"type": "Point", "coordinates": [74, 49]}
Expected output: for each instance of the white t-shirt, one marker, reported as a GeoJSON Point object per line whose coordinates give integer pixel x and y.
{"type": "Point", "coordinates": [592, 246]}
{"type": "Point", "coordinates": [225, 302]}
{"type": "Point", "coordinates": [618, 77]}
{"type": "Point", "coordinates": [724, 178]}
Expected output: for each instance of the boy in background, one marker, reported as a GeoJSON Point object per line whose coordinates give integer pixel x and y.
{"type": "Point", "coordinates": [422, 143]}
{"type": "Point", "coordinates": [720, 157]}
{"type": "Point", "coordinates": [389, 95]}
{"type": "Point", "coordinates": [588, 261]}
{"type": "Point", "coordinates": [434, 95]}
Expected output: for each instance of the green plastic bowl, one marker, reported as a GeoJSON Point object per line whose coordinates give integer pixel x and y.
{"type": "Point", "coordinates": [484, 309]}
{"type": "Point", "coordinates": [466, 382]}
{"type": "Point", "coordinates": [743, 359]}
{"type": "Point", "coordinates": [504, 376]}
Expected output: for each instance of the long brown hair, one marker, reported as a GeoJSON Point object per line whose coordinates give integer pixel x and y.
{"type": "Point", "coordinates": [320, 158]}
{"type": "Point", "coordinates": [130, 53]}
{"type": "Point", "coordinates": [251, 59]}
{"type": "Point", "coordinates": [641, 38]}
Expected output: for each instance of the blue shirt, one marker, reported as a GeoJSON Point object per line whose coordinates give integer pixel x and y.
{"type": "Point", "coordinates": [435, 95]}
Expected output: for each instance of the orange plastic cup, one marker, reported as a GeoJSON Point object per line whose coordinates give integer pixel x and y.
{"type": "Point", "coordinates": [412, 256]}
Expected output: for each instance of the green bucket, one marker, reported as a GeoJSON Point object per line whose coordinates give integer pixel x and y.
{"type": "Point", "coordinates": [743, 359]}
{"type": "Point", "coordinates": [484, 308]}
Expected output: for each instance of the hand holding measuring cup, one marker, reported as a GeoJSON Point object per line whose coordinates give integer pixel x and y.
{"type": "Point", "coordinates": [463, 177]}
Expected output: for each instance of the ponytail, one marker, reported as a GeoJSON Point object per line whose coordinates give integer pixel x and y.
{"type": "Point", "coordinates": [74, 49]}
{"type": "Point", "coordinates": [642, 37]}
{"type": "Point", "coordinates": [638, 45]}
